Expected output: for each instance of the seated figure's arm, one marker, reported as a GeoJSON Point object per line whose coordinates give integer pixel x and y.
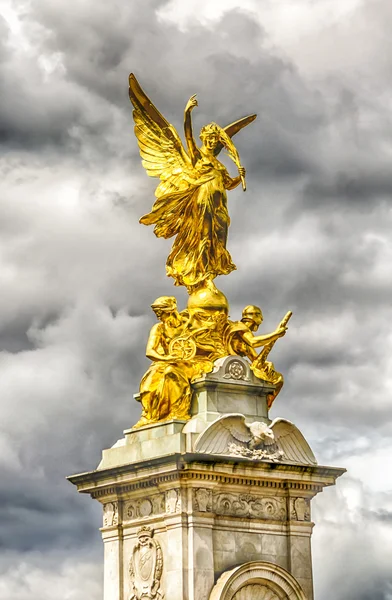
{"type": "Point", "coordinates": [255, 341]}
{"type": "Point", "coordinates": [154, 350]}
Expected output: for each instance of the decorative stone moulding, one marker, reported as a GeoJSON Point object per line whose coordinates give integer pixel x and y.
{"type": "Point", "coordinates": [255, 581]}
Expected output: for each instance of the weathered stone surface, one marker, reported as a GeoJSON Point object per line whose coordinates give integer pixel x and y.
{"type": "Point", "coordinates": [231, 387]}
{"type": "Point", "coordinates": [207, 517]}
{"type": "Point", "coordinates": [224, 527]}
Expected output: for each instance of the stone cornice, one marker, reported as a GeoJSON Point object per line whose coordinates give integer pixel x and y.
{"type": "Point", "coordinates": [188, 468]}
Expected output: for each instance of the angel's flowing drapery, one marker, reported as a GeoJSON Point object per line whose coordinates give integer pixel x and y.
{"type": "Point", "coordinates": [199, 219]}
{"type": "Point", "coordinates": [191, 197]}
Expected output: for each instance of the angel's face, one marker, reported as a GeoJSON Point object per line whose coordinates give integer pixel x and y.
{"type": "Point", "coordinates": [211, 141]}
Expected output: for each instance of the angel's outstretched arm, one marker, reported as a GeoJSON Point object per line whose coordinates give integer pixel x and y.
{"type": "Point", "coordinates": [193, 150]}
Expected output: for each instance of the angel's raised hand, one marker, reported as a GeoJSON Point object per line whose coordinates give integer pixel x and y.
{"type": "Point", "coordinates": [192, 102]}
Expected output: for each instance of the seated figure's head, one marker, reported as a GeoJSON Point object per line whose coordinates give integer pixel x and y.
{"type": "Point", "coordinates": [164, 305]}
{"type": "Point", "coordinates": [252, 316]}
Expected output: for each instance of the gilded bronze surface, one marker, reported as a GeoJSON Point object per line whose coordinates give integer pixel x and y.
{"type": "Point", "coordinates": [191, 205]}
{"type": "Point", "coordinates": [191, 199]}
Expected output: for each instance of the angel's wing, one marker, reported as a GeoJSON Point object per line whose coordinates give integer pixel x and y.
{"type": "Point", "coordinates": [292, 442]}
{"type": "Point", "coordinates": [222, 432]}
{"type": "Point", "coordinates": [234, 128]}
{"type": "Point", "coordinates": [161, 149]}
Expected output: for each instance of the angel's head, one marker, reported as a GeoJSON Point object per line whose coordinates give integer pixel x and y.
{"type": "Point", "coordinates": [210, 135]}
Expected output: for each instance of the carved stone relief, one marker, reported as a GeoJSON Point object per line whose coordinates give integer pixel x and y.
{"type": "Point", "coordinates": [255, 454]}
{"type": "Point", "coordinates": [110, 514]}
{"type": "Point", "coordinates": [246, 505]}
{"type": "Point", "coordinates": [202, 500]}
{"type": "Point", "coordinates": [172, 501]}
{"type": "Point", "coordinates": [255, 591]}
{"type": "Point", "coordinates": [145, 567]}
{"type": "Point", "coordinates": [144, 507]}
{"type": "Point", "coordinates": [235, 370]}
{"type": "Point", "coordinates": [300, 509]}
{"type": "Point", "coordinates": [156, 504]}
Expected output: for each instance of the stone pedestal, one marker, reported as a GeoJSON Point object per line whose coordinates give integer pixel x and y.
{"type": "Point", "coordinates": [231, 387]}
{"type": "Point", "coordinates": [184, 518]}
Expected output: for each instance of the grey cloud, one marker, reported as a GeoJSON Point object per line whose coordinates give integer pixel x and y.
{"type": "Point", "coordinates": [382, 515]}
{"type": "Point", "coordinates": [39, 575]}
{"type": "Point", "coordinates": [42, 514]}
{"type": "Point", "coordinates": [78, 273]}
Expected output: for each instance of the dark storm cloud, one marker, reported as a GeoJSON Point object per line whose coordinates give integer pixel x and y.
{"type": "Point", "coordinates": [75, 104]}
{"type": "Point", "coordinates": [78, 273]}
{"type": "Point", "coordinates": [40, 521]}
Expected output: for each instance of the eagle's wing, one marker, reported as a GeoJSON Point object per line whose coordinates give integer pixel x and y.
{"type": "Point", "coordinates": [223, 431]}
{"type": "Point", "coordinates": [234, 128]}
{"type": "Point", "coordinates": [161, 149]}
{"type": "Point", "coordinates": [292, 442]}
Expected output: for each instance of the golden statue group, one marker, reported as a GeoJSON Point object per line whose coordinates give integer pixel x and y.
{"type": "Point", "coordinates": [191, 204]}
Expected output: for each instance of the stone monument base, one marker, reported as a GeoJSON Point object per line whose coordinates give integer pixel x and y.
{"type": "Point", "coordinates": [205, 509]}
{"type": "Point", "coordinates": [211, 516]}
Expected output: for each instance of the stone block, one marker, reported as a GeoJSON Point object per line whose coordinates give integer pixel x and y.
{"type": "Point", "coordinates": [206, 514]}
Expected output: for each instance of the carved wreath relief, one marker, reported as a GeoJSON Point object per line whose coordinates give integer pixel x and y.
{"type": "Point", "coordinates": [145, 567]}
{"type": "Point", "coordinates": [156, 504]}
{"type": "Point", "coordinates": [246, 505]}
{"type": "Point", "coordinates": [235, 370]}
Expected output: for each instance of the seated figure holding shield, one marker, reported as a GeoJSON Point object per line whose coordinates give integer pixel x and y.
{"type": "Point", "coordinates": [165, 391]}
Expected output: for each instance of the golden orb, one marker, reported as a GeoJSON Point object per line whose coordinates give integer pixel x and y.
{"type": "Point", "coordinates": [208, 298]}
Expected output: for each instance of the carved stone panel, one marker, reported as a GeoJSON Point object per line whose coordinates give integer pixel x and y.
{"type": "Point", "coordinates": [145, 507]}
{"type": "Point", "coordinates": [110, 514]}
{"type": "Point", "coordinates": [173, 502]}
{"type": "Point", "coordinates": [145, 567]}
{"type": "Point", "coordinates": [235, 369]}
{"type": "Point", "coordinates": [202, 500]}
{"type": "Point", "coordinates": [300, 509]}
{"type": "Point", "coordinates": [246, 505]}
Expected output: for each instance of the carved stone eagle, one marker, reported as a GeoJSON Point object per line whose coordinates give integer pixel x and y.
{"type": "Point", "coordinates": [230, 435]}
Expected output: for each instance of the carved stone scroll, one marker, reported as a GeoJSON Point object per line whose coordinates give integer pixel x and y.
{"type": "Point", "coordinates": [246, 505]}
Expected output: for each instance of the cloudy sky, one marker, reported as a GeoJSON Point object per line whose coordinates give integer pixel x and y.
{"type": "Point", "coordinates": [78, 273]}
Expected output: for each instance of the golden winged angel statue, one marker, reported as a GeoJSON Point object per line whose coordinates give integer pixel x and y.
{"type": "Point", "coordinates": [191, 201]}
